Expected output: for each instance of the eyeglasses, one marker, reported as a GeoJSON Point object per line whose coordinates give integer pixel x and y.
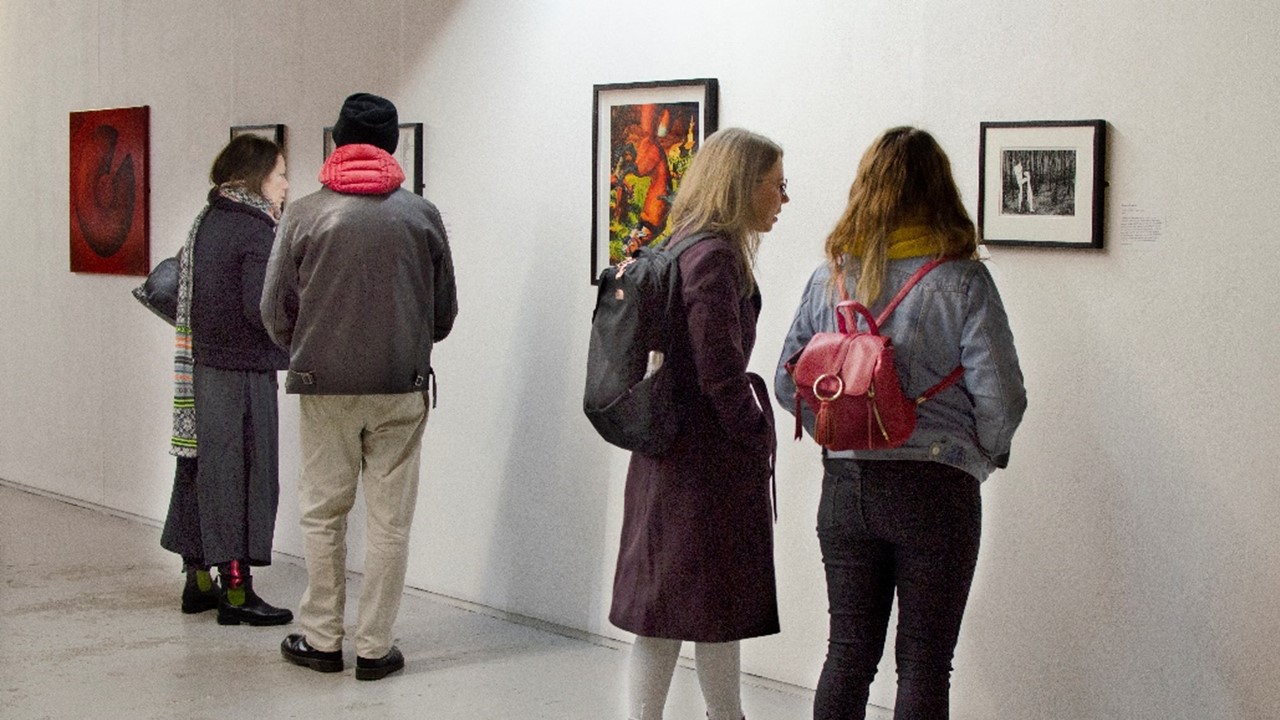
{"type": "Point", "coordinates": [783, 187]}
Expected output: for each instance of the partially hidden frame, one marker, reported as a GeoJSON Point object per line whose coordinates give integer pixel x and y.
{"type": "Point", "coordinates": [408, 154]}
{"type": "Point", "coordinates": [1042, 183]}
{"type": "Point", "coordinates": [274, 132]}
{"type": "Point", "coordinates": [644, 135]}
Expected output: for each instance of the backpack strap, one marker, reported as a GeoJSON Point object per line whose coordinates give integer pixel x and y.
{"type": "Point", "coordinates": [906, 287]}
{"type": "Point", "coordinates": [902, 292]}
{"type": "Point", "coordinates": [952, 377]}
{"type": "Point", "coordinates": [675, 248]}
{"type": "Point", "coordinates": [946, 382]}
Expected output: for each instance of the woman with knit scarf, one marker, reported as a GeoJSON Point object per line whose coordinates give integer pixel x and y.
{"type": "Point", "coordinates": [906, 521]}
{"type": "Point", "coordinates": [223, 509]}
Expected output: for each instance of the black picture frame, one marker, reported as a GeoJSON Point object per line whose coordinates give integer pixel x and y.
{"type": "Point", "coordinates": [274, 132]}
{"type": "Point", "coordinates": [408, 154]}
{"type": "Point", "coordinates": [1042, 183]}
{"type": "Point", "coordinates": [627, 129]}
{"type": "Point", "coordinates": [327, 146]}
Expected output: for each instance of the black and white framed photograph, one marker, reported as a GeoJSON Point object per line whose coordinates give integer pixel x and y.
{"type": "Point", "coordinates": [644, 135]}
{"type": "Point", "coordinates": [1042, 183]}
{"type": "Point", "coordinates": [408, 154]}
{"type": "Point", "coordinates": [275, 133]}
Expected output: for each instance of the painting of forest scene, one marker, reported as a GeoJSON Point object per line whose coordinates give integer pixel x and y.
{"type": "Point", "coordinates": [1039, 182]}
{"type": "Point", "coordinates": [650, 148]}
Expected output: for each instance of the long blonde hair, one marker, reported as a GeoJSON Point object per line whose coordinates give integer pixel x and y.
{"type": "Point", "coordinates": [716, 192]}
{"type": "Point", "coordinates": [904, 178]}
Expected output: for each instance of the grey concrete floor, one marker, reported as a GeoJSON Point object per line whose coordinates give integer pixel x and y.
{"type": "Point", "coordinates": [90, 628]}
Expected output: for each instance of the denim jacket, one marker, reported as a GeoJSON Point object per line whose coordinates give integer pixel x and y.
{"type": "Point", "coordinates": [952, 317]}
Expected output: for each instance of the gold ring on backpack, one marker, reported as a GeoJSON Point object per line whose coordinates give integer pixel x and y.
{"type": "Point", "coordinates": [839, 390]}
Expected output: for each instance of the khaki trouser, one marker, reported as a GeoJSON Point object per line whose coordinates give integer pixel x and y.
{"type": "Point", "coordinates": [376, 439]}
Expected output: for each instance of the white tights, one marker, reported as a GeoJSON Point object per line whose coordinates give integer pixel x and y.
{"type": "Point", "coordinates": [653, 661]}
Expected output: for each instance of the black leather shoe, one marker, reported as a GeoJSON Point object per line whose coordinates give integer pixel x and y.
{"type": "Point", "coordinates": [195, 600]}
{"type": "Point", "coordinates": [379, 668]}
{"type": "Point", "coordinates": [296, 650]}
{"type": "Point", "coordinates": [254, 611]}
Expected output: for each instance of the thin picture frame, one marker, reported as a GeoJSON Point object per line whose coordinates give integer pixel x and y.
{"type": "Point", "coordinates": [274, 132]}
{"type": "Point", "coordinates": [643, 136]}
{"type": "Point", "coordinates": [408, 154]}
{"type": "Point", "coordinates": [328, 145]}
{"type": "Point", "coordinates": [1042, 183]}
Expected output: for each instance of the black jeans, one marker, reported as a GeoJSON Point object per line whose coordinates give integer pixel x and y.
{"type": "Point", "coordinates": [908, 526]}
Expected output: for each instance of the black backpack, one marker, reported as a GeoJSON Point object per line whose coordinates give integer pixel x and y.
{"type": "Point", "coordinates": [630, 396]}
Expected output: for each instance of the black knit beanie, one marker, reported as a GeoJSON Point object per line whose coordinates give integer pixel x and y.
{"type": "Point", "coordinates": [367, 120]}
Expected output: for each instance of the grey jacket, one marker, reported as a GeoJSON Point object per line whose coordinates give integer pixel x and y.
{"type": "Point", "coordinates": [358, 289]}
{"type": "Point", "coordinates": [953, 316]}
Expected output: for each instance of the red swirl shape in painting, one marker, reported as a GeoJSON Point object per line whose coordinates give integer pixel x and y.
{"type": "Point", "coordinates": [104, 195]}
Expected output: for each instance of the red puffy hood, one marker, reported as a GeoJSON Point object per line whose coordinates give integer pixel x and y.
{"type": "Point", "coordinates": [361, 170]}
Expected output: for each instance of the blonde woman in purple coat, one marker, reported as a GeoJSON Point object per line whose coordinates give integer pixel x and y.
{"type": "Point", "coordinates": [696, 557]}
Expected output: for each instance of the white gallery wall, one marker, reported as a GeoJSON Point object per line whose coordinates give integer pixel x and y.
{"type": "Point", "coordinates": [1129, 565]}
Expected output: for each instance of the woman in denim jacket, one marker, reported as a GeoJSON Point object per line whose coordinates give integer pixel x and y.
{"type": "Point", "coordinates": [908, 520]}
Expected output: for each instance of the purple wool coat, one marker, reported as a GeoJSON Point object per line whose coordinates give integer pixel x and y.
{"type": "Point", "coordinates": [696, 557]}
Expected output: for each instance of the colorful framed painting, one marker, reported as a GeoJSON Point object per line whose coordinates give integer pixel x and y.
{"type": "Point", "coordinates": [275, 133]}
{"type": "Point", "coordinates": [1042, 183]}
{"type": "Point", "coordinates": [110, 185]}
{"type": "Point", "coordinates": [644, 135]}
{"type": "Point", "coordinates": [408, 154]}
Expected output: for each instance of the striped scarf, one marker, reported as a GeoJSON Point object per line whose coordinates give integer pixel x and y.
{"type": "Point", "coordinates": [183, 443]}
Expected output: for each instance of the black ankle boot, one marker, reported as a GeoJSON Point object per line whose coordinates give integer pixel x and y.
{"type": "Point", "coordinates": [253, 610]}
{"type": "Point", "coordinates": [195, 600]}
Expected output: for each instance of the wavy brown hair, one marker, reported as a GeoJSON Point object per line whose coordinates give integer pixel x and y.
{"type": "Point", "coordinates": [904, 178]}
{"type": "Point", "coordinates": [717, 189]}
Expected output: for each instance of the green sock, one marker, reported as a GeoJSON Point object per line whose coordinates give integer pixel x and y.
{"type": "Point", "coordinates": [235, 596]}
{"type": "Point", "coordinates": [204, 581]}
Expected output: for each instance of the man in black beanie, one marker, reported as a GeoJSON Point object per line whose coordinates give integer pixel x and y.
{"type": "Point", "coordinates": [359, 327]}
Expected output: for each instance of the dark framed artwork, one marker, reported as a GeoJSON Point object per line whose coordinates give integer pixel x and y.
{"type": "Point", "coordinates": [1042, 183]}
{"type": "Point", "coordinates": [329, 147]}
{"type": "Point", "coordinates": [408, 154]}
{"type": "Point", "coordinates": [110, 181]}
{"type": "Point", "coordinates": [275, 133]}
{"type": "Point", "coordinates": [644, 134]}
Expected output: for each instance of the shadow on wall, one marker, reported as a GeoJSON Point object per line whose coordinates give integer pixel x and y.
{"type": "Point", "coordinates": [1137, 627]}
{"type": "Point", "coordinates": [551, 512]}
{"type": "Point", "coordinates": [316, 47]}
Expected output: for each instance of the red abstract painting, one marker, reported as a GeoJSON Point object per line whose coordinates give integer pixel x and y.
{"type": "Point", "coordinates": [110, 191]}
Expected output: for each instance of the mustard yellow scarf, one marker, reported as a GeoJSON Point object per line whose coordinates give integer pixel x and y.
{"type": "Point", "coordinates": [906, 242]}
